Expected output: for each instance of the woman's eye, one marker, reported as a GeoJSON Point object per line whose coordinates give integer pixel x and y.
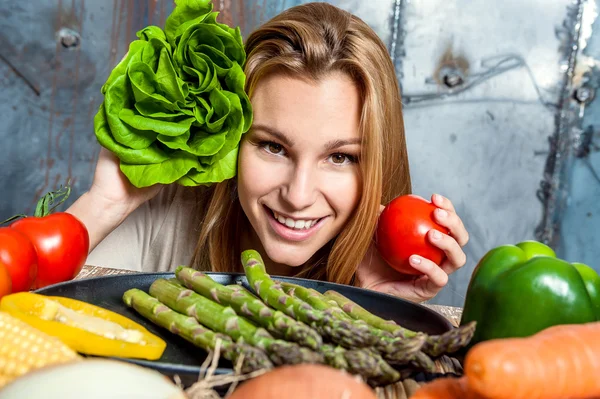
{"type": "Point", "coordinates": [273, 148]}
{"type": "Point", "coordinates": [341, 159]}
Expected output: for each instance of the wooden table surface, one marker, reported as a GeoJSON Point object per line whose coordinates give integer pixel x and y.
{"type": "Point", "coordinates": [452, 313]}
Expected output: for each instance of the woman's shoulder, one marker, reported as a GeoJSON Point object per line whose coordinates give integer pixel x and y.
{"type": "Point", "coordinates": [176, 205]}
{"type": "Point", "coordinates": [177, 195]}
{"type": "Point", "coordinates": [172, 232]}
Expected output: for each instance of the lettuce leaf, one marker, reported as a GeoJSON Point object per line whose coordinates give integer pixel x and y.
{"type": "Point", "coordinates": [175, 107]}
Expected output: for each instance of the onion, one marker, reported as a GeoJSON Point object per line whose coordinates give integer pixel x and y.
{"type": "Point", "coordinates": [93, 379]}
{"type": "Point", "coordinates": [306, 381]}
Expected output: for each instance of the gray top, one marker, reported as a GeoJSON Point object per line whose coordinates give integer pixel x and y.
{"type": "Point", "coordinates": [158, 236]}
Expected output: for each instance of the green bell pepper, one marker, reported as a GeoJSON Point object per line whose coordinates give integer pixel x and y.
{"type": "Point", "coordinates": [519, 290]}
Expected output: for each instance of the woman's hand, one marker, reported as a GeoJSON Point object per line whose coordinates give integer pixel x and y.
{"type": "Point", "coordinates": [375, 274]}
{"type": "Point", "coordinates": [110, 199]}
{"type": "Point", "coordinates": [111, 187]}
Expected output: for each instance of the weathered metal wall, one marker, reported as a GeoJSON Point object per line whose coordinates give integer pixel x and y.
{"type": "Point", "coordinates": [579, 237]}
{"type": "Point", "coordinates": [491, 116]}
{"type": "Point", "coordinates": [499, 143]}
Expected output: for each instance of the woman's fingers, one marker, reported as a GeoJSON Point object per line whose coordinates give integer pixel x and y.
{"type": "Point", "coordinates": [456, 257]}
{"type": "Point", "coordinates": [437, 276]}
{"type": "Point", "coordinates": [442, 202]}
{"type": "Point", "coordinates": [446, 216]}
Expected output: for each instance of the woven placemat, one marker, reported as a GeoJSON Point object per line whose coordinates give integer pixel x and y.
{"type": "Point", "coordinates": [405, 389]}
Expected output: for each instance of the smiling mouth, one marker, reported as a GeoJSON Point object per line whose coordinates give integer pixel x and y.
{"type": "Point", "coordinates": [295, 224]}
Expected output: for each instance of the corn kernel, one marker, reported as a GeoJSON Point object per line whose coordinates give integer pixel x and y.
{"type": "Point", "coordinates": [24, 348]}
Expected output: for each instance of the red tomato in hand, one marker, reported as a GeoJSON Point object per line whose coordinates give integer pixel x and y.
{"type": "Point", "coordinates": [19, 258]}
{"type": "Point", "coordinates": [5, 283]}
{"type": "Point", "coordinates": [402, 232]}
{"type": "Point", "coordinates": [61, 242]}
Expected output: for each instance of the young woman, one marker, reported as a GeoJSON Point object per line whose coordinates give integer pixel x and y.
{"type": "Point", "coordinates": [325, 152]}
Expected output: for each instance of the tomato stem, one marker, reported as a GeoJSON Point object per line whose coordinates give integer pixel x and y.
{"type": "Point", "coordinates": [10, 219]}
{"type": "Point", "coordinates": [46, 205]}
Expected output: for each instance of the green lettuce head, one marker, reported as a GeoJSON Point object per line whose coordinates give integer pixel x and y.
{"type": "Point", "coordinates": [175, 107]}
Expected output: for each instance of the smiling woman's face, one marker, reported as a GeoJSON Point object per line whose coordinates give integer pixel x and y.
{"type": "Point", "coordinates": [299, 179]}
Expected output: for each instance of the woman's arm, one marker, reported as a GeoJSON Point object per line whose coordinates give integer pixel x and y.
{"type": "Point", "coordinates": [110, 199]}
{"type": "Point", "coordinates": [99, 216]}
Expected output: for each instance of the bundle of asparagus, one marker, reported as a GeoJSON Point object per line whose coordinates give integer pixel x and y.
{"type": "Point", "coordinates": [288, 324]}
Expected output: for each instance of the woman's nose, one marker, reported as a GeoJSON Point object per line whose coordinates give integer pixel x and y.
{"type": "Point", "coordinates": [300, 191]}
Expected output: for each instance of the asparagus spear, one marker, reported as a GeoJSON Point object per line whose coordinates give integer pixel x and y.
{"type": "Point", "coordinates": [340, 332]}
{"type": "Point", "coordinates": [422, 361]}
{"type": "Point", "coordinates": [224, 320]}
{"type": "Point", "coordinates": [435, 345]}
{"type": "Point", "coordinates": [188, 328]}
{"type": "Point", "coordinates": [334, 356]}
{"type": "Point", "coordinates": [318, 301]}
{"type": "Point", "coordinates": [396, 350]}
{"type": "Point", "coordinates": [276, 322]}
{"type": "Point", "coordinates": [371, 366]}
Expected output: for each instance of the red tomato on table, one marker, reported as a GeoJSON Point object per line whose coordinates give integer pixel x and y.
{"type": "Point", "coordinates": [61, 242]}
{"type": "Point", "coordinates": [402, 232]}
{"type": "Point", "coordinates": [5, 283]}
{"type": "Point", "coordinates": [19, 258]}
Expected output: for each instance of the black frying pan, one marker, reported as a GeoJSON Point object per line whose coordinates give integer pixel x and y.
{"type": "Point", "coordinates": [184, 359]}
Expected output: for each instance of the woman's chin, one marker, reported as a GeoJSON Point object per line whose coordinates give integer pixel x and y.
{"type": "Point", "coordinates": [290, 257]}
{"type": "Point", "coordinates": [291, 261]}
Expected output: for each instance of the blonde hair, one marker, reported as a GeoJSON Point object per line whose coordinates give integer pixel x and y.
{"type": "Point", "coordinates": [311, 41]}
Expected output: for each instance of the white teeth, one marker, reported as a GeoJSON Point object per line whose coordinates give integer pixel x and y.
{"type": "Point", "coordinates": [295, 224]}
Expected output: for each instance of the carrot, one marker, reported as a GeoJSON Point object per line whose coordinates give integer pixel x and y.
{"type": "Point", "coordinates": [557, 363]}
{"type": "Point", "coordinates": [446, 388]}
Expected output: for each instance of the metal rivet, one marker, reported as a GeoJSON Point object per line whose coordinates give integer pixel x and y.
{"type": "Point", "coordinates": [451, 77]}
{"type": "Point", "coordinates": [69, 38]}
{"type": "Point", "coordinates": [584, 94]}
{"type": "Point", "coordinates": [453, 80]}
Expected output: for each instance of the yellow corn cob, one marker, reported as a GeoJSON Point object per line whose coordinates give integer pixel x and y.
{"type": "Point", "coordinates": [24, 348]}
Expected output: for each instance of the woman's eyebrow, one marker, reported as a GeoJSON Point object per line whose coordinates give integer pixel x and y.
{"type": "Point", "coordinates": [275, 133]}
{"type": "Point", "coordinates": [330, 146]}
{"type": "Point", "coordinates": [334, 144]}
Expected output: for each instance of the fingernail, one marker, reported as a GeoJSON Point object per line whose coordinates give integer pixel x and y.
{"type": "Point", "coordinates": [415, 260]}
{"type": "Point", "coordinates": [439, 198]}
{"type": "Point", "coordinates": [437, 235]}
{"type": "Point", "coordinates": [442, 213]}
